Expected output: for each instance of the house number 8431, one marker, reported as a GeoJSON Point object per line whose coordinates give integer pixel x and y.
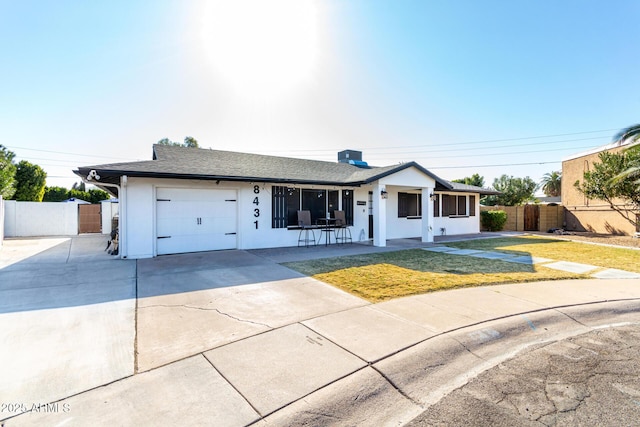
{"type": "Point", "coordinates": [256, 201]}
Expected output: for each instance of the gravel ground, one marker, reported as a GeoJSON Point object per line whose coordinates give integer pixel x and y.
{"type": "Point", "coordinates": [607, 239]}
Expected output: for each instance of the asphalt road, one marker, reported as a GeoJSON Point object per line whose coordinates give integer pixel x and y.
{"type": "Point", "coordinates": [587, 380]}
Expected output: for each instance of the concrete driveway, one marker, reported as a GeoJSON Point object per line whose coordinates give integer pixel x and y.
{"type": "Point", "coordinates": [195, 302]}
{"type": "Point", "coordinates": [233, 338]}
{"type": "Point", "coordinates": [67, 318]}
{"type": "Point", "coordinates": [73, 318]}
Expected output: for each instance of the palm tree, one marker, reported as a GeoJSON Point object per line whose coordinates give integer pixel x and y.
{"type": "Point", "coordinates": [631, 133]}
{"type": "Point", "coordinates": [552, 183]}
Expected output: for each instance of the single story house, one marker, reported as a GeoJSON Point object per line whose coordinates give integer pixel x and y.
{"type": "Point", "coordinates": [191, 199]}
{"type": "Point", "coordinates": [583, 214]}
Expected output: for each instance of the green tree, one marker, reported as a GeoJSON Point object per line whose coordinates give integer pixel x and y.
{"type": "Point", "coordinates": [514, 191]}
{"type": "Point", "coordinates": [610, 181]}
{"type": "Point", "coordinates": [30, 182]}
{"type": "Point", "coordinates": [55, 194]}
{"type": "Point", "coordinates": [97, 195]}
{"type": "Point", "coordinates": [474, 179]}
{"type": "Point", "coordinates": [167, 141]}
{"type": "Point", "coordinates": [78, 194]}
{"type": "Point", "coordinates": [7, 173]}
{"type": "Point", "coordinates": [551, 184]}
{"type": "Point", "coordinates": [189, 141]}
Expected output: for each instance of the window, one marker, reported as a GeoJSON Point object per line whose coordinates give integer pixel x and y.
{"type": "Point", "coordinates": [278, 207]}
{"type": "Point", "coordinates": [456, 205]}
{"type": "Point", "coordinates": [287, 201]}
{"type": "Point", "coordinates": [448, 205]}
{"type": "Point", "coordinates": [472, 205]}
{"type": "Point", "coordinates": [347, 205]}
{"type": "Point", "coordinates": [409, 205]}
{"type": "Point", "coordinates": [436, 205]}
{"type": "Point", "coordinates": [462, 205]}
{"type": "Point", "coordinates": [285, 206]}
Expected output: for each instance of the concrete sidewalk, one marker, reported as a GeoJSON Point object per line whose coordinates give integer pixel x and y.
{"type": "Point", "coordinates": [392, 359]}
{"type": "Point", "coordinates": [230, 338]}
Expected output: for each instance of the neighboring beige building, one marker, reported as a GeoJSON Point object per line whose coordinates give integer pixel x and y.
{"type": "Point", "coordinates": [582, 214]}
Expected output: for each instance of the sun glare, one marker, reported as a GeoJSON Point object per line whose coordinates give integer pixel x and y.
{"type": "Point", "coordinates": [261, 48]}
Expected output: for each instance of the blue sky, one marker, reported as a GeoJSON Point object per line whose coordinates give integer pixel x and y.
{"type": "Point", "coordinates": [461, 87]}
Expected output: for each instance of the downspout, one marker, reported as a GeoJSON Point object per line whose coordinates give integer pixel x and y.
{"type": "Point", "coordinates": [121, 208]}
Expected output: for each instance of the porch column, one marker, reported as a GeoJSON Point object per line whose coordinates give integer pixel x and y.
{"type": "Point", "coordinates": [427, 215]}
{"type": "Point", "coordinates": [379, 216]}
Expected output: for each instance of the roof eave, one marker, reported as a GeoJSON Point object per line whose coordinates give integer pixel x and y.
{"type": "Point", "coordinates": [106, 174]}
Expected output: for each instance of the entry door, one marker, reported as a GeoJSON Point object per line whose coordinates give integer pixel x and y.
{"type": "Point", "coordinates": [190, 220]}
{"type": "Point", "coordinates": [370, 214]}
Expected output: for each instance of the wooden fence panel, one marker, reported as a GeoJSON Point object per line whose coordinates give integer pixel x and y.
{"type": "Point", "coordinates": [90, 219]}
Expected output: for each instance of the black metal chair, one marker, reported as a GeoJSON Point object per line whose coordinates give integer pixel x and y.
{"type": "Point", "coordinates": [304, 222]}
{"type": "Point", "coordinates": [342, 231]}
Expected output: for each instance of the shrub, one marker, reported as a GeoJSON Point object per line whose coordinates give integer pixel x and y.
{"type": "Point", "coordinates": [493, 220]}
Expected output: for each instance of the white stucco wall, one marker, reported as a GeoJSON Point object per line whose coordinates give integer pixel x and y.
{"type": "Point", "coordinates": [139, 200]}
{"type": "Point", "coordinates": [407, 181]}
{"type": "Point", "coordinates": [400, 228]}
{"type": "Point", "coordinates": [458, 225]}
{"type": "Point", "coordinates": [138, 205]}
{"type": "Point", "coordinates": [108, 211]}
{"type": "Point", "coordinates": [26, 219]}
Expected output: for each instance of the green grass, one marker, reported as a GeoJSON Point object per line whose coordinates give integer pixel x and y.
{"type": "Point", "coordinates": [560, 250]}
{"type": "Point", "coordinates": [383, 276]}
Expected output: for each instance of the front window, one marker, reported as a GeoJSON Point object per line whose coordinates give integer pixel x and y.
{"type": "Point", "coordinates": [455, 205]}
{"type": "Point", "coordinates": [287, 201]}
{"type": "Point", "coordinates": [409, 205]}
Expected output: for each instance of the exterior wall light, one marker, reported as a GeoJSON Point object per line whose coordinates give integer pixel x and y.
{"type": "Point", "coordinates": [384, 194]}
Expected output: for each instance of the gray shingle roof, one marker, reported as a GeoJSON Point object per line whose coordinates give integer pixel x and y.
{"type": "Point", "coordinates": [196, 163]}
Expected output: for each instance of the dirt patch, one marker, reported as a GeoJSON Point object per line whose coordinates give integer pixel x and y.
{"type": "Point", "coordinates": [607, 239]}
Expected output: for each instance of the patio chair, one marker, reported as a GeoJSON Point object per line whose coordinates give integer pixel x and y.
{"type": "Point", "coordinates": [304, 222]}
{"type": "Point", "coordinates": [343, 233]}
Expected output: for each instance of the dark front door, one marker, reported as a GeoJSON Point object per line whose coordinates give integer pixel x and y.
{"type": "Point", "coordinates": [370, 214]}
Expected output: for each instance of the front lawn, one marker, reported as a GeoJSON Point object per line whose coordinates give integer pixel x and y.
{"type": "Point", "coordinates": [560, 250]}
{"type": "Point", "coordinates": [383, 276]}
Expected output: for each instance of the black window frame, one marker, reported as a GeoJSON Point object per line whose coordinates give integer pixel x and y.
{"type": "Point", "coordinates": [454, 205]}
{"type": "Point", "coordinates": [287, 201]}
{"type": "Point", "coordinates": [461, 205]}
{"type": "Point", "coordinates": [409, 205]}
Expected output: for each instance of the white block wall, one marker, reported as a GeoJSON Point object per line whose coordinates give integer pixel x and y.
{"type": "Point", "coordinates": [28, 219]}
{"type": "Point", "coordinates": [1, 220]}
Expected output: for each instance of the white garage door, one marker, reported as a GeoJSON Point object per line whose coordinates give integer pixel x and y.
{"type": "Point", "coordinates": [190, 220]}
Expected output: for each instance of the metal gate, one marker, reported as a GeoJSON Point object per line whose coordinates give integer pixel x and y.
{"type": "Point", "coordinates": [89, 219]}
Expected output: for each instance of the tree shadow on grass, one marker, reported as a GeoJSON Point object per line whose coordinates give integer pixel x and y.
{"type": "Point", "coordinates": [499, 244]}
{"type": "Point", "coordinates": [416, 260]}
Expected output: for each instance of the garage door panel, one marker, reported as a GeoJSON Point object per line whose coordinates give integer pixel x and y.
{"type": "Point", "coordinates": [189, 220]}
